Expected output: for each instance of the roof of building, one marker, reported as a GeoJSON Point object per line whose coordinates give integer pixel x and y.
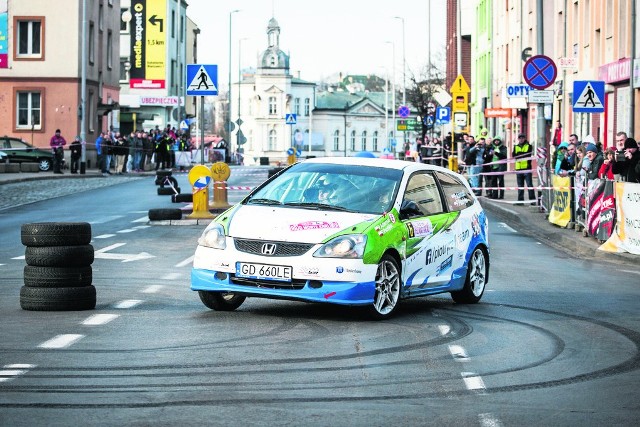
{"type": "Point", "coordinates": [345, 100]}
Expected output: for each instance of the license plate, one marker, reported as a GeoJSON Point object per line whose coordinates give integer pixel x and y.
{"type": "Point", "coordinates": [263, 271]}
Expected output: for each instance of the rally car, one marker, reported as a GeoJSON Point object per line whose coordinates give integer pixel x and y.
{"type": "Point", "coordinates": [351, 231]}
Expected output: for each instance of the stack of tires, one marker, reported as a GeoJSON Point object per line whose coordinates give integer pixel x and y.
{"type": "Point", "coordinates": [58, 273]}
{"type": "Point", "coordinates": [167, 184]}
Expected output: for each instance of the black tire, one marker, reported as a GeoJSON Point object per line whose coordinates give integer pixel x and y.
{"type": "Point", "coordinates": [221, 301]}
{"type": "Point", "coordinates": [59, 256]}
{"type": "Point", "coordinates": [164, 214]}
{"type": "Point", "coordinates": [44, 164]}
{"type": "Point", "coordinates": [166, 181]}
{"type": "Point", "coordinates": [58, 299]}
{"type": "Point", "coordinates": [167, 191]}
{"type": "Point", "coordinates": [476, 281]}
{"type": "Point", "coordinates": [57, 277]}
{"type": "Point", "coordinates": [182, 198]}
{"type": "Point", "coordinates": [388, 287]}
{"type": "Point", "coordinates": [162, 174]}
{"type": "Point", "coordinates": [56, 234]}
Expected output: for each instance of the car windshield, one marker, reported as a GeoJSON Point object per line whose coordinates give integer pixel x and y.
{"type": "Point", "coordinates": [351, 188]}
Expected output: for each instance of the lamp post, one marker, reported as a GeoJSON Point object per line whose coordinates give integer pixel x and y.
{"type": "Point", "coordinates": [404, 75]}
{"type": "Point", "coordinates": [229, 95]}
{"type": "Point", "coordinates": [239, 134]}
{"type": "Point", "coordinates": [83, 90]}
{"type": "Point", "coordinates": [393, 89]}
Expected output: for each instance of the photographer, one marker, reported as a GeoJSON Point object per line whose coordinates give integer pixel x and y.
{"type": "Point", "coordinates": [628, 165]}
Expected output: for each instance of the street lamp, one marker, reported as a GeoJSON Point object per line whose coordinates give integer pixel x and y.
{"type": "Point", "coordinates": [239, 134]}
{"type": "Point", "coordinates": [229, 95]}
{"type": "Point", "coordinates": [404, 75]}
{"type": "Point", "coordinates": [393, 88]}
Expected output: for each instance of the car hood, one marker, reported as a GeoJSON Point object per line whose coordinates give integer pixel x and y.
{"type": "Point", "coordinates": [286, 224]}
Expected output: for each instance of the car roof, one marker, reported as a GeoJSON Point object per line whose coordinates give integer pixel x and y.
{"type": "Point", "coordinates": [378, 163]}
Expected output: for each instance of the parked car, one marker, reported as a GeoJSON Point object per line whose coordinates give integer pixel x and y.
{"type": "Point", "coordinates": [351, 231]}
{"type": "Point", "coordinates": [19, 151]}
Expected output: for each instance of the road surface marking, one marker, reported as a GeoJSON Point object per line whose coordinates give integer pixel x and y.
{"type": "Point", "coordinates": [171, 276]}
{"type": "Point", "coordinates": [503, 225]}
{"type": "Point", "coordinates": [19, 257]}
{"type": "Point", "coordinates": [473, 381]}
{"type": "Point", "coordinates": [19, 366]}
{"type": "Point", "coordinates": [185, 262]}
{"type": "Point", "coordinates": [99, 319]}
{"type": "Point", "coordinates": [143, 219]}
{"type": "Point", "coordinates": [128, 303]}
{"type": "Point", "coordinates": [104, 236]}
{"type": "Point", "coordinates": [141, 227]}
{"type": "Point", "coordinates": [61, 341]}
{"type": "Point", "coordinates": [151, 289]}
{"type": "Point", "coordinates": [126, 230]}
{"type": "Point", "coordinates": [458, 353]}
{"type": "Point", "coordinates": [489, 420]}
{"type": "Point", "coordinates": [106, 219]}
{"type": "Point", "coordinates": [444, 329]}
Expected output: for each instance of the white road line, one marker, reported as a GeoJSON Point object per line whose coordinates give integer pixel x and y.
{"type": "Point", "coordinates": [489, 420]}
{"type": "Point", "coordinates": [12, 372]}
{"type": "Point", "coordinates": [104, 236]}
{"type": "Point", "coordinates": [185, 262]}
{"type": "Point", "coordinates": [143, 219]}
{"type": "Point", "coordinates": [459, 353]}
{"type": "Point", "coordinates": [630, 271]}
{"type": "Point", "coordinates": [473, 381]}
{"type": "Point", "coordinates": [126, 230]}
{"type": "Point", "coordinates": [19, 366]}
{"type": "Point", "coordinates": [171, 276]}
{"type": "Point", "coordinates": [61, 341]}
{"type": "Point", "coordinates": [151, 289]}
{"type": "Point", "coordinates": [128, 303]}
{"type": "Point", "coordinates": [108, 248]}
{"type": "Point", "coordinates": [19, 257]}
{"type": "Point", "coordinates": [141, 227]}
{"type": "Point", "coordinates": [444, 329]}
{"type": "Point", "coordinates": [503, 225]}
{"type": "Point", "coordinates": [99, 319]}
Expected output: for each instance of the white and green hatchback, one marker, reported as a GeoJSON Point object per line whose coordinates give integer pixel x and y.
{"type": "Point", "coordinates": [351, 231]}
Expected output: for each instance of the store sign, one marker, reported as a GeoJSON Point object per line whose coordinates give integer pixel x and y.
{"type": "Point", "coordinates": [162, 100]}
{"type": "Point", "coordinates": [615, 71]}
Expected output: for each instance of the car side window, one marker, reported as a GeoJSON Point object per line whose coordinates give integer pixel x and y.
{"type": "Point", "coordinates": [455, 192]}
{"type": "Point", "coordinates": [422, 189]}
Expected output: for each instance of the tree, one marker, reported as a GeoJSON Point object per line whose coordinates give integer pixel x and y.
{"type": "Point", "coordinates": [422, 89]}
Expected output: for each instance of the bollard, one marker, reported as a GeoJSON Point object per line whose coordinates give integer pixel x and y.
{"type": "Point", "coordinates": [220, 172]}
{"type": "Point", "coordinates": [200, 178]}
{"type": "Point", "coordinates": [453, 163]}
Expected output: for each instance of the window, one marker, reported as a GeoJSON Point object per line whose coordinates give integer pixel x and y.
{"type": "Point", "coordinates": [363, 140]}
{"type": "Point", "coordinates": [455, 193]}
{"type": "Point", "coordinates": [336, 140]}
{"type": "Point", "coordinates": [296, 106]}
{"type": "Point", "coordinates": [353, 140]}
{"type": "Point", "coordinates": [29, 109]}
{"type": "Point", "coordinates": [30, 38]}
{"type": "Point", "coordinates": [273, 138]}
{"type": "Point", "coordinates": [423, 190]}
{"type": "Point", "coordinates": [101, 18]}
{"type": "Point", "coordinates": [306, 106]}
{"type": "Point", "coordinates": [123, 24]}
{"type": "Point", "coordinates": [181, 29]}
{"type": "Point", "coordinates": [123, 70]}
{"type": "Point", "coordinates": [375, 141]}
{"type": "Point", "coordinates": [173, 24]}
{"type": "Point", "coordinates": [92, 42]}
{"type": "Point", "coordinates": [109, 49]}
{"type": "Point", "coordinates": [91, 116]}
{"type": "Point", "coordinates": [273, 107]}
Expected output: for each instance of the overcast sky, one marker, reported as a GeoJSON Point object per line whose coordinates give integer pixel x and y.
{"type": "Point", "coordinates": [322, 37]}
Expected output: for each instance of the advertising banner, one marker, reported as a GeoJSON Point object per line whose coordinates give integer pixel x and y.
{"type": "Point", "coordinates": [148, 44]}
{"type": "Point", "coordinates": [4, 37]}
{"type": "Point", "coordinates": [607, 212]}
{"type": "Point", "coordinates": [626, 235]}
{"type": "Point", "coordinates": [595, 192]}
{"type": "Point", "coordinates": [560, 213]}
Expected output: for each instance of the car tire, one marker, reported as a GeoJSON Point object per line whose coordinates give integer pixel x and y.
{"type": "Point", "coordinates": [476, 279]}
{"type": "Point", "coordinates": [55, 233]}
{"type": "Point", "coordinates": [44, 164]}
{"type": "Point", "coordinates": [168, 191]}
{"type": "Point", "coordinates": [164, 214]}
{"type": "Point", "coordinates": [182, 198]}
{"type": "Point", "coordinates": [58, 299]}
{"type": "Point", "coordinates": [388, 286]}
{"type": "Point", "coordinates": [162, 174]}
{"type": "Point", "coordinates": [57, 277]}
{"type": "Point", "coordinates": [221, 301]}
{"type": "Point", "coordinates": [59, 256]}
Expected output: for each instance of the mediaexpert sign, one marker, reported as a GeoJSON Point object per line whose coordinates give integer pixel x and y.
{"type": "Point", "coordinates": [148, 44]}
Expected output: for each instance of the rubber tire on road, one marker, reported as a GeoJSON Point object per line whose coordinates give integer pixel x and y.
{"type": "Point", "coordinates": [469, 295]}
{"type": "Point", "coordinates": [389, 266]}
{"type": "Point", "coordinates": [55, 233]}
{"type": "Point", "coordinates": [221, 301]}
{"type": "Point", "coordinates": [59, 256]}
{"type": "Point", "coordinates": [163, 173]}
{"type": "Point", "coordinates": [58, 299]}
{"type": "Point", "coordinates": [182, 198]}
{"type": "Point", "coordinates": [57, 277]}
{"type": "Point", "coordinates": [164, 214]}
{"type": "Point", "coordinates": [168, 191]}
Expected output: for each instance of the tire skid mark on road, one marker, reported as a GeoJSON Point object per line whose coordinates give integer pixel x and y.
{"type": "Point", "coordinates": [61, 341]}
{"type": "Point", "coordinates": [151, 289]}
{"type": "Point", "coordinates": [100, 319]}
{"type": "Point", "coordinates": [128, 303]}
{"type": "Point", "coordinates": [11, 371]}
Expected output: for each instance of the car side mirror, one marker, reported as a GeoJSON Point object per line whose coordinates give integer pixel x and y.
{"type": "Point", "coordinates": [409, 209]}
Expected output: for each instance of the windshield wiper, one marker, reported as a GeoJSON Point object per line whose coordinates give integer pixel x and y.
{"type": "Point", "coordinates": [320, 206]}
{"type": "Point", "coordinates": [263, 202]}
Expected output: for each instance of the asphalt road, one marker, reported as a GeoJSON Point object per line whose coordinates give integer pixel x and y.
{"type": "Point", "coordinates": [554, 342]}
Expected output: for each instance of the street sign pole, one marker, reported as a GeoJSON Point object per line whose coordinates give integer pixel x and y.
{"type": "Point", "coordinates": [202, 130]}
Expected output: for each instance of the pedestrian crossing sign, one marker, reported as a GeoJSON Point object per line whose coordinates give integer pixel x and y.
{"type": "Point", "coordinates": [291, 119]}
{"type": "Point", "coordinates": [202, 79]}
{"type": "Point", "coordinates": [588, 96]}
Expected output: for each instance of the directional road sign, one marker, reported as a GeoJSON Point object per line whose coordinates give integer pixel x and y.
{"type": "Point", "coordinates": [588, 96]}
{"type": "Point", "coordinates": [540, 72]}
{"type": "Point", "coordinates": [202, 79]}
{"type": "Point", "coordinates": [291, 119]}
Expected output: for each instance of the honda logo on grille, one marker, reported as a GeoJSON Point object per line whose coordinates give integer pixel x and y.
{"type": "Point", "coordinates": [268, 249]}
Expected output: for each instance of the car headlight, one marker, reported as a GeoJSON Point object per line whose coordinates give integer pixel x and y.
{"type": "Point", "coordinates": [348, 246]}
{"type": "Point", "coordinates": [213, 237]}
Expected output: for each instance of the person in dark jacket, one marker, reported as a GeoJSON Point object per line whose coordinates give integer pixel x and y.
{"type": "Point", "coordinates": [499, 153]}
{"type": "Point", "coordinates": [76, 152]}
{"type": "Point", "coordinates": [596, 161]}
{"type": "Point", "coordinates": [629, 168]}
{"type": "Point", "coordinates": [57, 144]}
